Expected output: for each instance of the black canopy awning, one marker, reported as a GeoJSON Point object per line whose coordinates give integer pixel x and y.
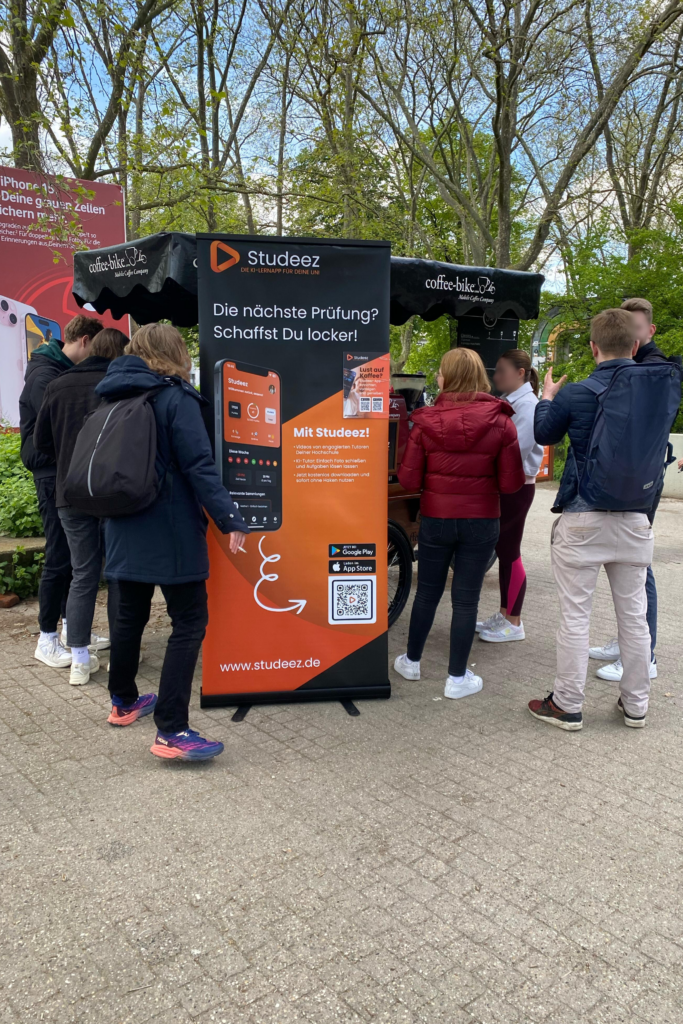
{"type": "Point", "coordinates": [152, 278]}
{"type": "Point", "coordinates": [431, 289]}
{"type": "Point", "coordinates": [155, 278]}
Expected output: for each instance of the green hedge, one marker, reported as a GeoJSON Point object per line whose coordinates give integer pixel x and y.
{"type": "Point", "coordinates": [19, 515]}
{"type": "Point", "coordinates": [20, 574]}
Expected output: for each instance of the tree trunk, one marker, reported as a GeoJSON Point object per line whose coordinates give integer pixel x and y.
{"type": "Point", "coordinates": [407, 332]}
{"type": "Point", "coordinates": [21, 109]}
{"type": "Point", "coordinates": [21, 54]}
{"type": "Point", "coordinates": [284, 106]}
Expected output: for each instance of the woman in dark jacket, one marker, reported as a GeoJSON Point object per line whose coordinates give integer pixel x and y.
{"type": "Point", "coordinates": [463, 453]}
{"type": "Point", "coordinates": [165, 544]}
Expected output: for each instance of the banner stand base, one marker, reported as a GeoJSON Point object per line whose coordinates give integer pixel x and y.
{"type": "Point", "coordinates": [342, 693]}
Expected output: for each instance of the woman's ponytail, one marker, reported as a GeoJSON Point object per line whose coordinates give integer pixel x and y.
{"type": "Point", "coordinates": [522, 361]}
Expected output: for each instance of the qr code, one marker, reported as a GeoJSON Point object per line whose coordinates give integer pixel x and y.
{"type": "Point", "coordinates": [353, 600]}
{"type": "Point", "coordinates": [378, 404]}
{"type": "Point", "coordinates": [364, 404]}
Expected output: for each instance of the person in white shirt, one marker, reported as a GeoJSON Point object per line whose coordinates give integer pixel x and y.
{"type": "Point", "coordinates": [517, 379]}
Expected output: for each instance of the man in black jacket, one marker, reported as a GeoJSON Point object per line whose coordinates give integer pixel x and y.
{"type": "Point", "coordinates": [47, 362]}
{"type": "Point", "coordinates": [68, 400]}
{"type": "Point", "coordinates": [648, 352]}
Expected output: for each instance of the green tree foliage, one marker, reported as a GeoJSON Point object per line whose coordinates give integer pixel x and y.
{"type": "Point", "coordinates": [529, 133]}
{"type": "Point", "coordinates": [650, 267]}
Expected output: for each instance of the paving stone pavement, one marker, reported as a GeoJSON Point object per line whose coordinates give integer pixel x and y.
{"type": "Point", "coordinates": [429, 861]}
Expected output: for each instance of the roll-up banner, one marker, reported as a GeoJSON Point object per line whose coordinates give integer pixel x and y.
{"type": "Point", "coordinates": [294, 350]}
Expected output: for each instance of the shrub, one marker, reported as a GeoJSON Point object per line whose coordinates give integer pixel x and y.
{"type": "Point", "coordinates": [21, 576]}
{"type": "Point", "coordinates": [19, 515]}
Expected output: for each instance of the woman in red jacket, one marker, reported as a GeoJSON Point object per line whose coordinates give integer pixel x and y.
{"type": "Point", "coordinates": [463, 453]}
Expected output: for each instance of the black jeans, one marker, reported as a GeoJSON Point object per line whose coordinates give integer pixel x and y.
{"type": "Point", "coordinates": [56, 576]}
{"type": "Point", "coordinates": [129, 609]}
{"type": "Point", "coordinates": [86, 544]}
{"type": "Point", "coordinates": [470, 544]}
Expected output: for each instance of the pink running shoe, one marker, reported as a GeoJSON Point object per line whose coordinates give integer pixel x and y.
{"type": "Point", "coordinates": [126, 714]}
{"type": "Point", "coordinates": [185, 746]}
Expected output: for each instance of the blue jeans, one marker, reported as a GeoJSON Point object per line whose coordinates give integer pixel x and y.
{"type": "Point", "coordinates": [84, 534]}
{"type": "Point", "coordinates": [470, 544]}
{"type": "Point", "coordinates": [651, 591]}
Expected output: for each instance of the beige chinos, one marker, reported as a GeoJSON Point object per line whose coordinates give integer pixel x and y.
{"type": "Point", "coordinates": [580, 543]}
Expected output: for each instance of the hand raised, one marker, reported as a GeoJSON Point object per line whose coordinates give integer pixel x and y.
{"type": "Point", "coordinates": [550, 389]}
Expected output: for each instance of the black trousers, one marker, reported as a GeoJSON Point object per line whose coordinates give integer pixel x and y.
{"type": "Point", "coordinates": [469, 543]}
{"type": "Point", "coordinates": [56, 577]}
{"type": "Point", "coordinates": [129, 608]}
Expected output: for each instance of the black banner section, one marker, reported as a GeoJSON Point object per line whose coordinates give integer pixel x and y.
{"type": "Point", "coordinates": [279, 322]}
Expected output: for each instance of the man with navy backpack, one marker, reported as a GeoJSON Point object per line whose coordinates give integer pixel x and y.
{"type": "Point", "coordinates": [618, 422]}
{"type": "Point", "coordinates": [648, 352]}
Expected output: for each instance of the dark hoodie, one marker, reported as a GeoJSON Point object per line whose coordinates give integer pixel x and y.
{"type": "Point", "coordinates": [68, 400]}
{"type": "Point", "coordinates": [463, 453]}
{"type": "Point", "coordinates": [46, 362]}
{"type": "Point", "coordinates": [166, 543]}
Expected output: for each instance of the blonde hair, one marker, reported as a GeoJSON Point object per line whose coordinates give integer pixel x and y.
{"type": "Point", "coordinates": [162, 348]}
{"type": "Point", "coordinates": [463, 371]}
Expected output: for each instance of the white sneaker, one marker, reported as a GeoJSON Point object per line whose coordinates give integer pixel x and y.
{"type": "Point", "coordinates": [606, 653]}
{"type": "Point", "coordinates": [80, 672]}
{"type": "Point", "coordinates": [97, 643]}
{"type": "Point", "coordinates": [495, 621]}
{"type": "Point", "coordinates": [464, 686]}
{"type": "Point", "coordinates": [615, 671]}
{"type": "Point", "coordinates": [407, 669]}
{"type": "Point", "coordinates": [52, 653]}
{"type": "Point", "coordinates": [503, 634]}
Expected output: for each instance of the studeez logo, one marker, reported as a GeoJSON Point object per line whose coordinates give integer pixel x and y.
{"type": "Point", "coordinates": [217, 247]}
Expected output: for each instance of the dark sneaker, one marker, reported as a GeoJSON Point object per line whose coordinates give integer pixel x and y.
{"type": "Point", "coordinates": [632, 721]}
{"type": "Point", "coordinates": [185, 746]}
{"type": "Point", "coordinates": [126, 714]}
{"type": "Point", "coordinates": [548, 711]}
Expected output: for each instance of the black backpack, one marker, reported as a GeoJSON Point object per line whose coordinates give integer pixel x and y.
{"type": "Point", "coordinates": [112, 470]}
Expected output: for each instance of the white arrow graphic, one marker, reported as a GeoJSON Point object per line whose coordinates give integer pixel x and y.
{"type": "Point", "coordinates": [296, 605]}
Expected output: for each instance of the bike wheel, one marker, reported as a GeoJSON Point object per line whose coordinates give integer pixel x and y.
{"type": "Point", "coordinates": [400, 565]}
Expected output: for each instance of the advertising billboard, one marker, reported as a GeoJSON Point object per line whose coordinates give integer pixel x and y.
{"type": "Point", "coordinates": [42, 220]}
{"type": "Point", "coordinates": [294, 349]}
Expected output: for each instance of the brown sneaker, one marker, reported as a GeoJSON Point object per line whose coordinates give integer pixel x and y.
{"type": "Point", "coordinates": [548, 711]}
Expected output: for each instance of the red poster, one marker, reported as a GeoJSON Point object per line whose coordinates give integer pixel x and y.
{"type": "Point", "coordinates": [42, 220]}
